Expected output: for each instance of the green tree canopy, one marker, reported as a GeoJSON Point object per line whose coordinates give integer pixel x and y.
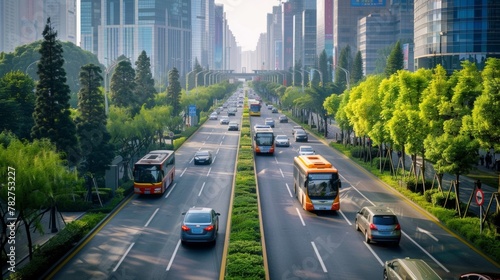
{"type": "Point", "coordinates": [395, 61]}
{"type": "Point", "coordinates": [145, 84]}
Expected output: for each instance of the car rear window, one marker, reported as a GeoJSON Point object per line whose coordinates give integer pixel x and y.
{"type": "Point", "coordinates": [385, 220]}
{"type": "Point", "coordinates": [197, 218]}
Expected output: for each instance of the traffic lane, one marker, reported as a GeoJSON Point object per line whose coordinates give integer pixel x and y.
{"type": "Point", "coordinates": [447, 254]}
{"type": "Point", "coordinates": [100, 254]}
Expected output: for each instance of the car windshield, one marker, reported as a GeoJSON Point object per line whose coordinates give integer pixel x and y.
{"type": "Point", "coordinates": [384, 220]}
{"type": "Point", "coordinates": [197, 218]}
{"type": "Point", "coordinates": [202, 153]}
{"type": "Point", "coordinates": [281, 137]}
{"type": "Point", "coordinates": [306, 149]}
{"type": "Point", "coordinates": [264, 139]}
{"type": "Point", "coordinates": [321, 188]}
{"type": "Point", "coordinates": [147, 174]}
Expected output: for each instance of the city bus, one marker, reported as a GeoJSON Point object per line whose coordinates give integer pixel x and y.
{"type": "Point", "coordinates": [254, 108]}
{"type": "Point", "coordinates": [316, 183]}
{"type": "Point", "coordinates": [154, 172]}
{"type": "Point", "coordinates": [263, 140]}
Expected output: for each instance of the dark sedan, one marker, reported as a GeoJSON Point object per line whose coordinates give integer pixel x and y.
{"type": "Point", "coordinates": [203, 157]}
{"type": "Point", "coordinates": [200, 224]}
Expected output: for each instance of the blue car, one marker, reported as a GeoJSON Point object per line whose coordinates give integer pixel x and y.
{"type": "Point", "coordinates": [200, 224]}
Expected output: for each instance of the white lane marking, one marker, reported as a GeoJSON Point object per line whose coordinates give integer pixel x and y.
{"type": "Point", "coordinates": [282, 175]}
{"type": "Point", "coordinates": [208, 173]}
{"type": "Point", "coordinates": [151, 218]}
{"type": "Point", "coordinates": [427, 253]}
{"type": "Point", "coordinates": [203, 186]}
{"type": "Point", "coordinates": [300, 216]}
{"type": "Point", "coordinates": [319, 257]}
{"type": "Point", "coordinates": [374, 254]}
{"type": "Point", "coordinates": [183, 171]}
{"type": "Point", "coordinates": [428, 233]}
{"type": "Point", "coordinates": [345, 218]}
{"type": "Point", "coordinates": [171, 189]}
{"type": "Point", "coordinates": [123, 257]}
{"type": "Point", "coordinates": [289, 191]}
{"type": "Point", "coordinates": [173, 255]}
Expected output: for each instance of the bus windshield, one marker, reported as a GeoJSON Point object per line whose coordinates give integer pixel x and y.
{"type": "Point", "coordinates": [322, 185]}
{"type": "Point", "coordinates": [264, 139]}
{"type": "Point", "coordinates": [147, 174]}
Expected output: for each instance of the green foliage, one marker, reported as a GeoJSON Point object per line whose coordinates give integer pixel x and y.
{"type": "Point", "coordinates": [145, 84]}
{"type": "Point", "coordinates": [51, 115]}
{"type": "Point", "coordinates": [174, 91]}
{"type": "Point", "coordinates": [395, 60]}
{"type": "Point", "coordinates": [357, 68]}
{"type": "Point", "coordinates": [122, 88]}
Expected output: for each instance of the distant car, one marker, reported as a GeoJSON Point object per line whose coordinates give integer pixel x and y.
{"type": "Point", "coordinates": [274, 110]}
{"type": "Point", "coordinates": [233, 126]}
{"type": "Point", "coordinates": [203, 157]}
{"type": "Point", "coordinates": [213, 116]}
{"type": "Point", "coordinates": [232, 111]}
{"type": "Point", "coordinates": [281, 141]}
{"type": "Point", "coordinates": [378, 224]}
{"type": "Point", "coordinates": [270, 106]}
{"type": "Point", "coordinates": [411, 269]}
{"type": "Point", "coordinates": [300, 135]}
{"type": "Point", "coordinates": [224, 120]}
{"type": "Point", "coordinates": [269, 122]}
{"type": "Point", "coordinates": [306, 150]}
{"type": "Point", "coordinates": [295, 127]}
{"type": "Point", "coordinates": [200, 224]}
{"type": "Point", "coordinates": [283, 119]}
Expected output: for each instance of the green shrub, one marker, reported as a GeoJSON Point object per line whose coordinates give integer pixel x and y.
{"type": "Point", "coordinates": [428, 194]}
{"type": "Point", "coordinates": [439, 199]}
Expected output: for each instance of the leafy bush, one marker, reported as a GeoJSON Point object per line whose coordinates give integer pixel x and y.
{"type": "Point", "coordinates": [439, 199]}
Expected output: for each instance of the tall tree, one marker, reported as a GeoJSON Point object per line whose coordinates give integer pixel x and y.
{"type": "Point", "coordinates": [94, 138]}
{"type": "Point", "coordinates": [344, 62]}
{"type": "Point", "coordinates": [52, 115]}
{"type": "Point", "coordinates": [323, 67]}
{"type": "Point", "coordinates": [395, 61]}
{"type": "Point", "coordinates": [357, 69]}
{"type": "Point", "coordinates": [123, 86]}
{"type": "Point", "coordinates": [17, 103]}
{"type": "Point", "coordinates": [174, 91]}
{"type": "Point", "coordinates": [144, 82]}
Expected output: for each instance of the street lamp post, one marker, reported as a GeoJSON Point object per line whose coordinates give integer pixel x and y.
{"type": "Point", "coordinates": [28, 67]}
{"type": "Point", "coordinates": [187, 81]}
{"type": "Point", "coordinates": [320, 75]}
{"type": "Point", "coordinates": [347, 74]}
{"type": "Point", "coordinates": [441, 34]}
{"type": "Point", "coordinates": [196, 80]}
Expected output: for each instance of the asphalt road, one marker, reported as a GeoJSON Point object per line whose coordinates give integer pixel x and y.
{"type": "Point", "coordinates": [305, 245]}
{"type": "Point", "coordinates": [142, 241]}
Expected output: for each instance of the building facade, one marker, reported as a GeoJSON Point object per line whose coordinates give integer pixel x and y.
{"type": "Point", "coordinates": [324, 24]}
{"type": "Point", "coordinates": [202, 24]}
{"type": "Point", "coordinates": [448, 32]}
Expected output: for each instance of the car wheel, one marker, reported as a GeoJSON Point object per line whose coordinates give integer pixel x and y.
{"type": "Point", "coordinates": [367, 239]}
{"type": "Point", "coordinates": [385, 275]}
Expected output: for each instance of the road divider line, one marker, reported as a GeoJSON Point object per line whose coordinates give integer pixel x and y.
{"type": "Point", "coordinates": [289, 191]}
{"type": "Point", "coordinates": [282, 175]}
{"type": "Point", "coordinates": [151, 218]}
{"type": "Point", "coordinates": [425, 251]}
{"type": "Point", "coordinates": [374, 254]}
{"type": "Point", "coordinates": [171, 189]}
{"type": "Point", "coordinates": [210, 169]}
{"type": "Point", "coordinates": [345, 218]}
{"type": "Point", "coordinates": [183, 171]}
{"type": "Point", "coordinates": [300, 216]}
{"type": "Point", "coordinates": [173, 255]}
{"type": "Point", "coordinates": [123, 257]}
{"type": "Point", "coordinates": [319, 257]}
{"type": "Point", "coordinates": [428, 233]}
{"type": "Point", "coordinates": [201, 190]}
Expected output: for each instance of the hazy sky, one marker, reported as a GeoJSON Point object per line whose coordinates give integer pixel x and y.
{"type": "Point", "coordinates": [247, 19]}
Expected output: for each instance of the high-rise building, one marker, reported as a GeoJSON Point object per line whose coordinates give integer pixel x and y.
{"type": "Point", "coordinates": [448, 32]}
{"type": "Point", "coordinates": [219, 37]}
{"type": "Point", "coordinates": [178, 34]}
{"type": "Point", "coordinates": [289, 10]}
{"type": "Point", "coordinates": [324, 23]}
{"type": "Point", "coordinates": [203, 27]}
{"type": "Point", "coordinates": [22, 21]}
{"type": "Point", "coordinates": [274, 40]}
{"type": "Point", "coordinates": [309, 39]}
{"type": "Point", "coordinates": [346, 14]}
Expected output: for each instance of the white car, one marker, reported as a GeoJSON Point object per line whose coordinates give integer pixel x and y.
{"type": "Point", "coordinates": [282, 141]}
{"type": "Point", "coordinates": [224, 120]}
{"type": "Point", "coordinates": [213, 116]}
{"type": "Point", "coordinates": [306, 150]}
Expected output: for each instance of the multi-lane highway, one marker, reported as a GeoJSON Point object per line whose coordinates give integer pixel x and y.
{"type": "Point", "coordinates": [304, 245]}
{"type": "Point", "coordinates": [141, 241]}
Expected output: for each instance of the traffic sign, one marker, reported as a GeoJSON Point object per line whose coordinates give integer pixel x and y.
{"type": "Point", "coordinates": [479, 197]}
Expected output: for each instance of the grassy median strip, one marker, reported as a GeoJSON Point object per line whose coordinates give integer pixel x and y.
{"type": "Point", "coordinates": [245, 256]}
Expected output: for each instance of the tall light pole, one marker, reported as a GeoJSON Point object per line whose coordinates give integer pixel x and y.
{"type": "Point", "coordinates": [28, 67]}
{"type": "Point", "coordinates": [187, 81]}
{"type": "Point", "coordinates": [196, 80]}
{"type": "Point", "coordinates": [320, 75]}
{"type": "Point", "coordinates": [347, 74]}
{"type": "Point", "coordinates": [441, 34]}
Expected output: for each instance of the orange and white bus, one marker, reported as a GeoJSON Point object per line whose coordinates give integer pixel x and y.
{"type": "Point", "coordinates": [263, 140]}
{"type": "Point", "coordinates": [316, 183]}
{"type": "Point", "coordinates": [154, 172]}
{"type": "Point", "coordinates": [254, 108]}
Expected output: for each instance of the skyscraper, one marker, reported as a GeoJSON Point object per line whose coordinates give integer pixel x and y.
{"type": "Point", "coordinates": [448, 32]}
{"type": "Point", "coordinates": [202, 25]}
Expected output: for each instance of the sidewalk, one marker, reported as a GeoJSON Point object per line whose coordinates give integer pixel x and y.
{"type": "Point", "coordinates": [38, 239]}
{"type": "Point", "coordinates": [466, 183]}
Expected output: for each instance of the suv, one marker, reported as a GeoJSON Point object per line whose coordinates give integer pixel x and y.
{"type": "Point", "coordinates": [409, 269]}
{"type": "Point", "coordinates": [378, 224]}
{"type": "Point", "coordinates": [300, 135]}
